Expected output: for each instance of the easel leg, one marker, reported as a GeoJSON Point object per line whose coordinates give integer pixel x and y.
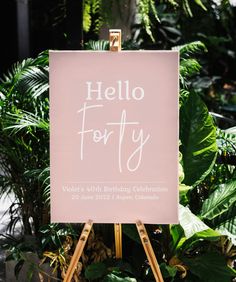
{"type": "Point", "coordinates": [118, 240]}
{"type": "Point", "coordinates": [78, 251]}
{"type": "Point", "coordinates": [149, 251]}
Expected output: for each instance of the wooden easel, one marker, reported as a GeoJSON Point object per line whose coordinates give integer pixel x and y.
{"type": "Point", "coordinates": [115, 45]}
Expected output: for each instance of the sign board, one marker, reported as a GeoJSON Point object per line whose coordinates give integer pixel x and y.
{"type": "Point", "coordinates": [114, 136]}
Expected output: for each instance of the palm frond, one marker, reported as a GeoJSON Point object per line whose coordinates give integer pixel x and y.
{"type": "Point", "coordinates": [34, 80]}
{"type": "Point", "coordinates": [44, 177]}
{"type": "Point", "coordinates": [12, 76]}
{"type": "Point", "coordinates": [24, 124]}
{"type": "Point", "coordinates": [6, 188]}
{"type": "Point", "coordinates": [42, 59]}
{"type": "Point", "coordinates": [46, 194]}
{"type": "Point", "coordinates": [11, 156]}
{"type": "Point", "coordinates": [25, 120]}
{"type": "Point", "coordinates": [2, 98]}
{"type": "Point", "coordinates": [97, 45]}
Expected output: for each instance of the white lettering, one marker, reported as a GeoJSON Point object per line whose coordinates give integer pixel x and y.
{"type": "Point", "coordinates": [122, 91]}
{"type": "Point", "coordinates": [98, 90]}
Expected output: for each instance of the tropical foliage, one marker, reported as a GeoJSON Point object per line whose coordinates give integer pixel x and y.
{"type": "Point", "coordinates": [24, 146]}
{"type": "Point", "coordinates": [203, 246]}
{"type": "Point", "coordinates": [203, 240]}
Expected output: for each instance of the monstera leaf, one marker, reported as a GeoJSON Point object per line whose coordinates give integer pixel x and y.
{"type": "Point", "coordinates": [210, 267]}
{"type": "Point", "coordinates": [219, 201]}
{"type": "Point", "coordinates": [198, 138]}
{"type": "Point", "coordinates": [190, 223]}
{"type": "Point", "coordinates": [191, 230]}
{"type": "Point", "coordinates": [220, 209]}
{"type": "Point", "coordinates": [95, 271]}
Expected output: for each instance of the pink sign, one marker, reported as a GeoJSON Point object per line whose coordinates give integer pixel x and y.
{"type": "Point", "coordinates": [114, 136]}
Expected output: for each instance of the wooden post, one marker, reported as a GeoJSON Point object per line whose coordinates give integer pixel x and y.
{"type": "Point", "coordinates": [115, 46]}
{"type": "Point", "coordinates": [118, 240]}
{"type": "Point", "coordinates": [78, 251]}
{"type": "Point", "coordinates": [149, 251]}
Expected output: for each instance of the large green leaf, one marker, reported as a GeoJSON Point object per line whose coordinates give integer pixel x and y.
{"type": "Point", "coordinates": [220, 210]}
{"type": "Point", "coordinates": [226, 220]}
{"type": "Point", "coordinates": [183, 191]}
{"type": "Point", "coordinates": [191, 224]}
{"type": "Point", "coordinates": [130, 230]}
{"type": "Point", "coordinates": [192, 231]}
{"type": "Point", "coordinates": [95, 271]}
{"type": "Point", "coordinates": [231, 224]}
{"type": "Point", "coordinates": [210, 267]}
{"type": "Point", "coordinates": [198, 137]}
{"type": "Point", "coordinates": [196, 240]}
{"type": "Point", "coordinates": [177, 234]}
{"type": "Point", "coordinates": [220, 201]}
{"type": "Point", "coordinates": [114, 278]}
{"type": "Point", "coordinates": [168, 271]}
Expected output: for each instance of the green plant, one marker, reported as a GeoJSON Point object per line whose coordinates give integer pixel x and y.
{"type": "Point", "coordinates": [154, 23]}
{"type": "Point", "coordinates": [215, 82]}
{"type": "Point", "coordinates": [97, 45]}
{"type": "Point", "coordinates": [200, 248]}
{"type": "Point", "coordinates": [63, 242]}
{"type": "Point", "coordinates": [193, 243]}
{"type": "Point", "coordinates": [24, 125]}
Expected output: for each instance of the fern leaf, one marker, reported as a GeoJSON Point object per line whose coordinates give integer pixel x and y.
{"type": "Point", "coordinates": [188, 68]}
{"type": "Point", "coordinates": [190, 49]}
{"type": "Point", "coordinates": [92, 15]}
{"type": "Point", "coordinates": [145, 8]}
{"type": "Point", "coordinates": [154, 10]}
{"type": "Point", "coordinates": [87, 15]}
